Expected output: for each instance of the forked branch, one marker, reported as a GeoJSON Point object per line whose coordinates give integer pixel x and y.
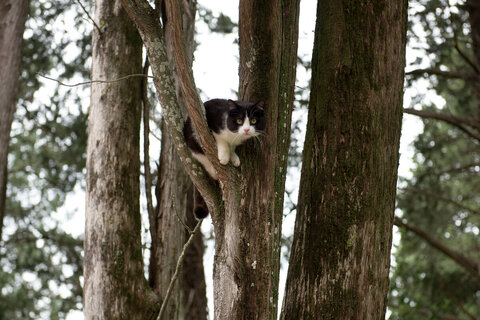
{"type": "Point", "coordinates": [151, 32]}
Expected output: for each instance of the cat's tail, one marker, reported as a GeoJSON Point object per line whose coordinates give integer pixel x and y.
{"type": "Point", "coordinates": [200, 209]}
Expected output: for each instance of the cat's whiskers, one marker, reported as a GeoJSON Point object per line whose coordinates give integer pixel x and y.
{"type": "Point", "coordinates": [235, 138]}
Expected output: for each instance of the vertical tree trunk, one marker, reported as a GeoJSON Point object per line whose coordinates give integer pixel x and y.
{"type": "Point", "coordinates": [247, 227]}
{"type": "Point", "coordinates": [268, 33]}
{"type": "Point", "coordinates": [174, 198]}
{"type": "Point", "coordinates": [115, 287]}
{"type": "Point", "coordinates": [341, 249]}
{"type": "Point", "coordinates": [13, 14]}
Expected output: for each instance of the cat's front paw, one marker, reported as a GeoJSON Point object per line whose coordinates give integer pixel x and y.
{"type": "Point", "coordinates": [235, 159]}
{"type": "Point", "coordinates": [223, 157]}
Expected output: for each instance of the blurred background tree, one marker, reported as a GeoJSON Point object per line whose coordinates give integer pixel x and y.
{"type": "Point", "coordinates": [41, 263]}
{"type": "Point", "coordinates": [436, 275]}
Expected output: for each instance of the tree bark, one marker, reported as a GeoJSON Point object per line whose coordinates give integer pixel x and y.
{"type": "Point", "coordinates": [115, 287]}
{"type": "Point", "coordinates": [340, 255]}
{"type": "Point", "coordinates": [247, 216]}
{"type": "Point", "coordinates": [174, 193]}
{"type": "Point", "coordinates": [13, 14]}
{"type": "Point", "coordinates": [268, 34]}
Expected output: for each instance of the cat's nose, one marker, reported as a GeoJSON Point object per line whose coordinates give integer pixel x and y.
{"type": "Point", "coordinates": [246, 130]}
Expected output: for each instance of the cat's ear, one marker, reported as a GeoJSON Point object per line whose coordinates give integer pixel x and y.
{"type": "Point", "coordinates": [231, 104]}
{"type": "Point", "coordinates": [260, 104]}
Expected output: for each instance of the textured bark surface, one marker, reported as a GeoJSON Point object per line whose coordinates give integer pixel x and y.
{"type": "Point", "coordinates": [247, 227]}
{"type": "Point", "coordinates": [115, 287]}
{"type": "Point", "coordinates": [13, 14]}
{"type": "Point", "coordinates": [248, 252]}
{"type": "Point", "coordinates": [174, 202]}
{"type": "Point", "coordinates": [341, 249]}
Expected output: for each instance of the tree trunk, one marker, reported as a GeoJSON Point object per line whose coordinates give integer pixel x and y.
{"type": "Point", "coordinates": [174, 203]}
{"type": "Point", "coordinates": [340, 255]}
{"type": "Point", "coordinates": [13, 14]}
{"type": "Point", "coordinates": [115, 287]}
{"type": "Point", "coordinates": [246, 215]}
{"type": "Point", "coordinates": [247, 256]}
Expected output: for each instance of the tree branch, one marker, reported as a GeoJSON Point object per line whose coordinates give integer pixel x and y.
{"type": "Point", "coordinates": [468, 76]}
{"type": "Point", "coordinates": [187, 84]}
{"type": "Point", "coordinates": [459, 169]}
{"type": "Point", "coordinates": [89, 17]}
{"type": "Point", "coordinates": [461, 123]}
{"type": "Point", "coordinates": [465, 262]}
{"type": "Point", "coordinates": [442, 198]}
{"type": "Point", "coordinates": [177, 270]}
{"type": "Point", "coordinates": [93, 81]}
{"type": "Point", "coordinates": [151, 32]}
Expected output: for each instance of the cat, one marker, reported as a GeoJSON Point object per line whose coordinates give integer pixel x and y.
{"type": "Point", "coordinates": [231, 123]}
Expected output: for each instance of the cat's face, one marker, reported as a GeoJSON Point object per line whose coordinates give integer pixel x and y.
{"type": "Point", "coordinates": [246, 119]}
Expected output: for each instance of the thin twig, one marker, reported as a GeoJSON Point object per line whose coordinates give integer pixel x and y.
{"type": "Point", "coordinates": [89, 17]}
{"type": "Point", "coordinates": [178, 216]}
{"type": "Point", "coordinates": [177, 270]}
{"type": "Point", "coordinates": [94, 81]}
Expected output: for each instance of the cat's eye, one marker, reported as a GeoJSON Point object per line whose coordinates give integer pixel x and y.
{"type": "Point", "coordinates": [253, 121]}
{"type": "Point", "coordinates": [239, 121]}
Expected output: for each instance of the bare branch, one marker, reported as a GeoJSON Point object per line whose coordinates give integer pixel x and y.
{"type": "Point", "coordinates": [465, 262]}
{"type": "Point", "coordinates": [468, 76]}
{"type": "Point", "coordinates": [461, 123]}
{"type": "Point", "coordinates": [89, 17]}
{"type": "Point", "coordinates": [177, 270]}
{"type": "Point", "coordinates": [94, 81]}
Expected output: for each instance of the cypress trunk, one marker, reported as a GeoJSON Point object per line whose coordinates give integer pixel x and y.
{"type": "Point", "coordinates": [115, 287]}
{"type": "Point", "coordinates": [247, 214]}
{"type": "Point", "coordinates": [13, 14]}
{"type": "Point", "coordinates": [340, 256]}
{"type": "Point", "coordinates": [174, 202]}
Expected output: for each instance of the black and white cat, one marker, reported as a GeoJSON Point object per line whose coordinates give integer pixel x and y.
{"type": "Point", "coordinates": [232, 123]}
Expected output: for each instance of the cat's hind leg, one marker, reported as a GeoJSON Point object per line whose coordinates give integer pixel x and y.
{"type": "Point", "coordinates": [206, 164]}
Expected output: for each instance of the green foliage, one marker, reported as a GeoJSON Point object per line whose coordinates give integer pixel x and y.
{"type": "Point", "coordinates": [220, 23]}
{"type": "Point", "coordinates": [442, 196]}
{"type": "Point", "coordinates": [40, 264]}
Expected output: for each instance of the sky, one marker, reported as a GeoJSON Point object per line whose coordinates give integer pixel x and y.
{"type": "Point", "coordinates": [216, 75]}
